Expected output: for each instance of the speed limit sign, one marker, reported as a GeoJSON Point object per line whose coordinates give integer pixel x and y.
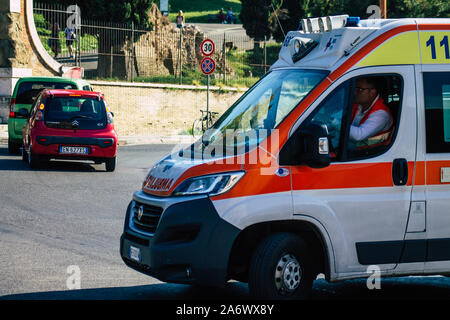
{"type": "Point", "coordinates": [207, 47]}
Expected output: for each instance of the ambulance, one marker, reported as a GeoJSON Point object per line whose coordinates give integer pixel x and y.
{"type": "Point", "coordinates": [279, 190]}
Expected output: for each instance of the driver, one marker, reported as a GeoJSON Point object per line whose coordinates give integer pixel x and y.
{"type": "Point", "coordinates": [371, 119]}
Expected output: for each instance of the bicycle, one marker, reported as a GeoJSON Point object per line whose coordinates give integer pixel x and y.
{"type": "Point", "coordinates": [200, 125]}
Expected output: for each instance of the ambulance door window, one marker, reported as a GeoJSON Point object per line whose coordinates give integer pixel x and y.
{"type": "Point", "coordinates": [437, 111]}
{"type": "Point", "coordinates": [373, 116]}
{"type": "Point", "coordinates": [330, 112]}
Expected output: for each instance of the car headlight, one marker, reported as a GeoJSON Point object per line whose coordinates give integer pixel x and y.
{"type": "Point", "coordinates": [212, 185]}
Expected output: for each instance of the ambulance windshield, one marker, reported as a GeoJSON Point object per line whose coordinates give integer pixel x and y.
{"type": "Point", "coordinates": [263, 107]}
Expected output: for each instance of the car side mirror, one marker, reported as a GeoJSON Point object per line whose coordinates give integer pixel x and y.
{"type": "Point", "coordinates": [308, 146]}
{"type": "Point", "coordinates": [23, 113]}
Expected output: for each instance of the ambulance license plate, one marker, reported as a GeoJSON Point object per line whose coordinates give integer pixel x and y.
{"type": "Point", "coordinates": [73, 150]}
{"type": "Point", "coordinates": [135, 254]}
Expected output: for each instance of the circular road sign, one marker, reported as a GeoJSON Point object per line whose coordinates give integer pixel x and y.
{"type": "Point", "coordinates": [207, 47]}
{"type": "Point", "coordinates": [208, 65]}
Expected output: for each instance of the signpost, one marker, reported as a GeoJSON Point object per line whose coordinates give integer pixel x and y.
{"type": "Point", "coordinates": [208, 65]}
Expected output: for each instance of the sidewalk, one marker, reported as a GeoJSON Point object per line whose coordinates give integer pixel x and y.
{"type": "Point", "coordinates": [127, 140]}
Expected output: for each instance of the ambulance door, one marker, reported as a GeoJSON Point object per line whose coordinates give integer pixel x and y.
{"type": "Point", "coordinates": [363, 197]}
{"type": "Point", "coordinates": [435, 113]}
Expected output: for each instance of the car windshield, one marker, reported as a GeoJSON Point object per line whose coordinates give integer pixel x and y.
{"type": "Point", "coordinates": [75, 112]}
{"type": "Point", "coordinates": [27, 91]}
{"type": "Point", "coordinates": [261, 109]}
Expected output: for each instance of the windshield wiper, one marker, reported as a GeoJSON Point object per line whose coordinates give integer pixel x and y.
{"type": "Point", "coordinates": [80, 116]}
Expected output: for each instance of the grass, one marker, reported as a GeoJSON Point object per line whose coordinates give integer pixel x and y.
{"type": "Point", "coordinates": [192, 13]}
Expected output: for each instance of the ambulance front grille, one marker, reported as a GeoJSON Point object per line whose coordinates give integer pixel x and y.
{"type": "Point", "coordinates": [146, 217]}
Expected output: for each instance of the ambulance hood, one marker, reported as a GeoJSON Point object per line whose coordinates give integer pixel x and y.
{"type": "Point", "coordinates": [172, 170]}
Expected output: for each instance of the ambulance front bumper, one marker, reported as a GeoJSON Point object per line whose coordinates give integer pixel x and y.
{"type": "Point", "coordinates": [177, 239]}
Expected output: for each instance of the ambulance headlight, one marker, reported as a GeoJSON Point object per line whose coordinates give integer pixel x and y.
{"type": "Point", "coordinates": [212, 185]}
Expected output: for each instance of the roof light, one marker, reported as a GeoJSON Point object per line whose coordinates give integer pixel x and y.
{"type": "Point", "coordinates": [300, 47]}
{"type": "Point", "coordinates": [323, 24]}
{"type": "Point", "coordinates": [313, 24]}
{"type": "Point", "coordinates": [304, 25]}
{"type": "Point", "coordinates": [352, 21]}
{"type": "Point", "coordinates": [336, 22]}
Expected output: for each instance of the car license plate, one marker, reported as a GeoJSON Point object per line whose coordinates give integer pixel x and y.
{"type": "Point", "coordinates": [135, 254]}
{"type": "Point", "coordinates": [73, 150]}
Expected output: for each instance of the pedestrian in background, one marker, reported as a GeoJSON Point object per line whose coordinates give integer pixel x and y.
{"type": "Point", "coordinates": [230, 16]}
{"type": "Point", "coordinates": [180, 19]}
{"type": "Point", "coordinates": [221, 16]}
{"type": "Point", "coordinates": [70, 37]}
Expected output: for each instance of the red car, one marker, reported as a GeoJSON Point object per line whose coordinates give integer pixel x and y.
{"type": "Point", "coordinates": [70, 124]}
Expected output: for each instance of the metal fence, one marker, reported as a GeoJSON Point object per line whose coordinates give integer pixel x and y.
{"type": "Point", "coordinates": [165, 54]}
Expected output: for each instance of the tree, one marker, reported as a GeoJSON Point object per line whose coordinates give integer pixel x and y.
{"type": "Point", "coordinates": [285, 17]}
{"type": "Point", "coordinates": [118, 11]}
{"type": "Point", "coordinates": [418, 9]}
{"type": "Point", "coordinates": [255, 18]}
{"type": "Point", "coordinates": [322, 8]}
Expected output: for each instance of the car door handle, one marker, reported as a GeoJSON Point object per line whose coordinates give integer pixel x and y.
{"type": "Point", "coordinates": [400, 172]}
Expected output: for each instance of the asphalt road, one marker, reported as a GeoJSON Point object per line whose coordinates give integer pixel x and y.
{"type": "Point", "coordinates": [72, 213]}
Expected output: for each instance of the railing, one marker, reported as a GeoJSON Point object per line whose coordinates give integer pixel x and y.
{"type": "Point", "coordinates": [167, 54]}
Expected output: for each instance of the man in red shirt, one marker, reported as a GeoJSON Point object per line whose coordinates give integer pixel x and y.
{"type": "Point", "coordinates": [372, 120]}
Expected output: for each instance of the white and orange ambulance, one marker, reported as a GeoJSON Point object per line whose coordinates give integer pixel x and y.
{"type": "Point", "coordinates": [279, 190]}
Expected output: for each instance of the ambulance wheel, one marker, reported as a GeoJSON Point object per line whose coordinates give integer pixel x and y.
{"type": "Point", "coordinates": [281, 268]}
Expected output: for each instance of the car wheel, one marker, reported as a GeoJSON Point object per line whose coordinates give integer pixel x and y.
{"type": "Point", "coordinates": [110, 164]}
{"type": "Point", "coordinates": [281, 268]}
{"type": "Point", "coordinates": [13, 148]}
{"type": "Point", "coordinates": [33, 160]}
{"type": "Point", "coordinates": [24, 155]}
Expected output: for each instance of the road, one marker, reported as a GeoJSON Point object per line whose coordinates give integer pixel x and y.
{"type": "Point", "coordinates": [71, 214]}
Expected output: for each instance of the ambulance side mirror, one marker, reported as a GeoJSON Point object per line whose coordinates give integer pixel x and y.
{"type": "Point", "coordinates": [308, 145]}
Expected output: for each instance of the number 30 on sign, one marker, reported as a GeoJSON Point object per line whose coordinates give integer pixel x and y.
{"type": "Point", "coordinates": [207, 47]}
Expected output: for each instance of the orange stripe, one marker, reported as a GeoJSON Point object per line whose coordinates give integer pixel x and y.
{"type": "Point", "coordinates": [434, 27]}
{"type": "Point", "coordinates": [433, 169]}
{"type": "Point", "coordinates": [351, 175]}
{"type": "Point", "coordinates": [254, 183]}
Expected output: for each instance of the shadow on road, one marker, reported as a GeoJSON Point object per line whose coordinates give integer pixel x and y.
{"type": "Point", "coordinates": [148, 292]}
{"type": "Point", "coordinates": [405, 288]}
{"type": "Point", "coordinates": [14, 163]}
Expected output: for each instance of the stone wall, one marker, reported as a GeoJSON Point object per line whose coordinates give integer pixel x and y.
{"type": "Point", "coordinates": [19, 56]}
{"type": "Point", "coordinates": [162, 110]}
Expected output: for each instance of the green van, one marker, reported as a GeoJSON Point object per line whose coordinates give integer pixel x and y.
{"type": "Point", "coordinates": [25, 91]}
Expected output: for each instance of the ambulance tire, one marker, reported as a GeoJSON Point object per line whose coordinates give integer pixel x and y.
{"type": "Point", "coordinates": [281, 268]}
